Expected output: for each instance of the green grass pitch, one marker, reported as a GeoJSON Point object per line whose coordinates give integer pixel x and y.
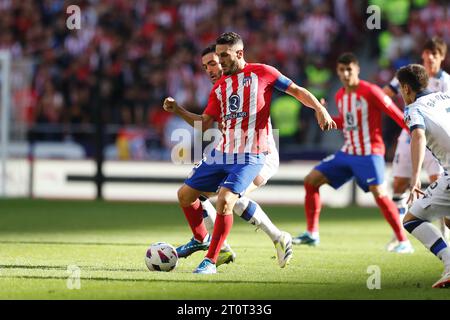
{"type": "Point", "coordinates": [107, 240]}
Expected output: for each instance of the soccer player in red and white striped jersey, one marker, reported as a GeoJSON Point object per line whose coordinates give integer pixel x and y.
{"type": "Point", "coordinates": [240, 102]}
{"type": "Point", "coordinates": [361, 106]}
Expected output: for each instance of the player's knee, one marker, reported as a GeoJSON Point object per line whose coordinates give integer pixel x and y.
{"type": "Point", "coordinates": [225, 203]}
{"type": "Point", "coordinates": [184, 197]}
{"type": "Point", "coordinates": [400, 185]}
{"type": "Point", "coordinates": [259, 181]}
{"type": "Point", "coordinates": [378, 191]}
{"type": "Point", "coordinates": [314, 178]}
{"type": "Point", "coordinates": [447, 222]}
{"type": "Point", "coordinates": [411, 222]}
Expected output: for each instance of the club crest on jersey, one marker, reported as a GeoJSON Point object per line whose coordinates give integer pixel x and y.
{"type": "Point", "coordinates": [234, 102]}
{"type": "Point", "coordinates": [247, 81]}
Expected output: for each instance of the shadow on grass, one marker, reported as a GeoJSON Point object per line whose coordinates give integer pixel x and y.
{"type": "Point", "coordinates": [190, 281]}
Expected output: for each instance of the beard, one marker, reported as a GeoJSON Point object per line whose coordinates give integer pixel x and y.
{"type": "Point", "coordinates": [232, 69]}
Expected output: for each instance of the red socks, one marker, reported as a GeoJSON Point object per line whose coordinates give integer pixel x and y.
{"type": "Point", "coordinates": [194, 215]}
{"type": "Point", "coordinates": [222, 228]}
{"type": "Point", "coordinates": [312, 208]}
{"type": "Point", "coordinates": [390, 212]}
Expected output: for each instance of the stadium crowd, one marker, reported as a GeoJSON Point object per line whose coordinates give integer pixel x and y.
{"type": "Point", "coordinates": [129, 55]}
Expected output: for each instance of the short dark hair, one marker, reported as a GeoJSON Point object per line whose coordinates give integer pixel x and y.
{"type": "Point", "coordinates": [436, 44]}
{"type": "Point", "coordinates": [413, 75]}
{"type": "Point", "coordinates": [230, 38]}
{"type": "Point", "coordinates": [209, 49]}
{"type": "Point", "coordinates": [347, 58]}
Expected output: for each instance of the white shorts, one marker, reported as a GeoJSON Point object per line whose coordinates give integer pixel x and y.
{"type": "Point", "coordinates": [402, 165]}
{"type": "Point", "coordinates": [436, 203]}
{"type": "Point", "coordinates": [271, 164]}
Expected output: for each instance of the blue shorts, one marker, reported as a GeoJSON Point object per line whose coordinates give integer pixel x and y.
{"type": "Point", "coordinates": [341, 167]}
{"type": "Point", "coordinates": [235, 174]}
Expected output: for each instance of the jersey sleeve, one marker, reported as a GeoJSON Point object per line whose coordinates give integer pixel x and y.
{"type": "Point", "coordinates": [213, 107]}
{"type": "Point", "coordinates": [277, 79]}
{"type": "Point", "coordinates": [414, 119]}
{"type": "Point", "coordinates": [385, 104]}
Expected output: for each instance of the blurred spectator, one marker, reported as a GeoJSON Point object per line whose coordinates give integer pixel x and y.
{"type": "Point", "coordinates": [129, 55]}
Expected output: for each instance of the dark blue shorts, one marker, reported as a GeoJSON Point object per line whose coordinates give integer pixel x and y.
{"type": "Point", "coordinates": [235, 172]}
{"type": "Point", "coordinates": [342, 167]}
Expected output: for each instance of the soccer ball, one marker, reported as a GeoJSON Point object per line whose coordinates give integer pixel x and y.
{"type": "Point", "coordinates": [161, 256]}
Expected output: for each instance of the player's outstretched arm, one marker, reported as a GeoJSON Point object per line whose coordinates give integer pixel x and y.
{"type": "Point", "coordinates": [308, 99]}
{"type": "Point", "coordinates": [170, 105]}
{"type": "Point", "coordinates": [418, 142]}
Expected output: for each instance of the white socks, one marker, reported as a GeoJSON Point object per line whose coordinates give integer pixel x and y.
{"type": "Point", "coordinates": [431, 238]}
{"type": "Point", "coordinates": [400, 200]}
{"type": "Point", "coordinates": [251, 212]}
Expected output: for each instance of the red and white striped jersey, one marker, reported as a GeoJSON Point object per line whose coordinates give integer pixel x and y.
{"type": "Point", "coordinates": [360, 117]}
{"type": "Point", "coordinates": [241, 103]}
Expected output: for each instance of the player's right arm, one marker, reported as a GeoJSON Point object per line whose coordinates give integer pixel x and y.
{"type": "Point", "coordinates": [416, 124]}
{"type": "Point", "coordinates": [170, 105]}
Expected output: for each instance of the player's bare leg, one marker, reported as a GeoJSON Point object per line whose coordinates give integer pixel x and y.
{"type": "Point", "coordinates": [224, 221]}
{"type": "Point", "coordinates": [390, 213]}
{"type": "Point", "coordinates": [193, 211]}
{"type": "Point", "coordinates": [313, 181]}
{"type": "Point", "coordinates": [432, 239]}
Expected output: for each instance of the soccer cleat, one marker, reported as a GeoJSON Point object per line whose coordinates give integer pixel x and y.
{"type": "Point", "coordinates": [192, 246]}
{"type": "Point", "coordinates": [306, 238]}
{"type": "Point", "coordinates": [206, 267]}
{"type": "Point", "coordinates": [226, 256]}
{"type": "Point", "coordinates": [284, 249]}
{"type": "Point", "coordinates": [403, 247]}
{"type": "Point", "coordinates": [443, 282]}
{"type": "Point", "coordinates": [392, 244]}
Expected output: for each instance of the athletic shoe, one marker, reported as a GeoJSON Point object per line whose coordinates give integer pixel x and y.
{"type": "Point", "coordinates": [284, 249]}
{"type": "Point", "coordinates": [443, 282]}
{"type": "Point", "coordinates": [226, 256]}
{"type": "Point", "coordinates": [306, 238]}
{"type": "Point", "coordinates": [192, 246]}
{"type": "Point", "coordinates": [403, 247]}
{"type": "Point", "coordinates": [206, 267]}
{"type": "Point", "coordinates": [392, 244]}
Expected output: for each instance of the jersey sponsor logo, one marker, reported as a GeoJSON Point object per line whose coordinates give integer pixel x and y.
{"type": "Point", "coordinates": [235, 115]}
{"type": "Point", "coordinates": [350, 121]}
{"type": "Point", "coordinates": [234, 102]}
{"type": "Point", "coordinates": [370, 180]}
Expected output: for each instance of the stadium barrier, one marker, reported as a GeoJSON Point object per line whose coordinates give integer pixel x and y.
{"type": "Point", "coordinates": [158, 181]}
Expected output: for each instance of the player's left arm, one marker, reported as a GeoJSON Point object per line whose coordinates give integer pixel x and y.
{"type": "Point", "coordinates": [284, 84]}
{"type": "Point", "coordinates": [308, 99]}
{"type": "Point", "coordinates": [385, 103]}
{"type": "Point", "coordinates": [416, 124]}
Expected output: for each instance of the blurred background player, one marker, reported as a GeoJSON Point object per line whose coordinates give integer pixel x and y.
{"type": "Point", "coordinates": [247, 209]}
{"type": "Point", "coordinates": [360, 106]}
{"type": "Point", "coordinates": [433, 54]}
{"type": "Point", "coordinates": [240, 102]}
{"type": "Point", "coordinates": [428, 116]}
